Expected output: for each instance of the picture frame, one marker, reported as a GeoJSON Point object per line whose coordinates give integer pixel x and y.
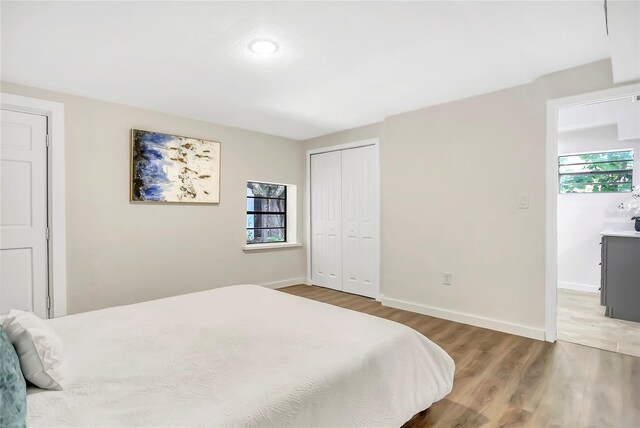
{"type": "Point", "coordinates": [169, 168]}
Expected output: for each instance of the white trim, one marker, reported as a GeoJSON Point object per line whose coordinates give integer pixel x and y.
{"type": "Point", "coordinates": [345, 146]}
{"type": "Point", "coordinates": [307, 216]}
{"type": "Point", "coordinates": [594, 151]}
{"type": "Point", "coordinates": [551, 233]}
{"type": "Point", "coordinates": [258, 247]}
{"type": "Point", "coordinates": [475, 320]}
{"type": "Point", "coordinates": [587, 288]}
{"type": "Point", "coordinates": [56, 192]}
{"type": "Point", "coordinates": [284, 283]}
{"type": "Point", "coordinates": [269, 182]}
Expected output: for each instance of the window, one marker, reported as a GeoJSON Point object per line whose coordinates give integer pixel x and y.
{"type": "Point", "coordinates": [603, 172]}
{"type": "Point", "coordinates": [266, 213]}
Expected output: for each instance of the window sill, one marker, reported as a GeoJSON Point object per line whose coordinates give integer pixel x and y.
{"type": "Point", "coordinates": [258, 247]}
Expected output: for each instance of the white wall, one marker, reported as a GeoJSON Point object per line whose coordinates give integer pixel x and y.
{"type": "Point", "coordinates": [119, 253]}
{"type": "Point", "coordinates": [450, 179]}
{"type": "Point", "coordinates": [581, 217]}
{"type": "Point", "coordinates": [367, 132]}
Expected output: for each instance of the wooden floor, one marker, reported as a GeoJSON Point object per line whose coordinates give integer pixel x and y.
{"type": "Point", "coordinates": [581, 320]}
{"type": "Point", "coordinates": [503, 380]}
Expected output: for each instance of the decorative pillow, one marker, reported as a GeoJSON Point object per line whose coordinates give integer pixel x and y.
{"type": "Point", "coordinates": [13, 390]}
{"type": "Point", "coordinates": [38, 347]}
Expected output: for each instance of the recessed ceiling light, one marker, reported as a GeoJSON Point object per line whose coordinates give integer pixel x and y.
{"type": "Point", "coordinates": [263, 47]}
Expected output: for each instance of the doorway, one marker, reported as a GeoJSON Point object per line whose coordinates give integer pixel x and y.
{"type": "Point", "coordinates": [591, 171]}
{"type": "Point", "coordinates": [343, 208]}
{"type": "Point", "coordinates": [32, 206]}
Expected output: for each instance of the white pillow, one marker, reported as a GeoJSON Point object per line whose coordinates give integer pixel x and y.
{"type": "Point", "coordinates": [38, 347]}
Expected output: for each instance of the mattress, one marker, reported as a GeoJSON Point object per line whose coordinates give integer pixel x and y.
{"type": "Point", "coordinates": [240, 356]}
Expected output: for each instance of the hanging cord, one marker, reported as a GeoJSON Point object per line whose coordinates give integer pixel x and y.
{"type": "Point", "coordinates": [606, 18]}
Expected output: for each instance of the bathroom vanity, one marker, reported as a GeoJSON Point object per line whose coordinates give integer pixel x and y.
{"type": "Point", "coordinates": [620, 274]}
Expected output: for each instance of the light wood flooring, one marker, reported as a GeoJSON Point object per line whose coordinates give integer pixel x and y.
{"type": "Point", "coordinates": [503, 380]}
{"type": "Point", "coordinates": [581, 320]}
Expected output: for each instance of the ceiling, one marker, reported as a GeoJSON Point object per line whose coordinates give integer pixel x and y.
{"type": "Point", "coordinates": [339, 66]}
{"type": "Point", "coordinates": [623, 18]}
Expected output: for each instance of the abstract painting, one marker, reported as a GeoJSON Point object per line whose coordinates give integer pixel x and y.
{"type": "Point", "coordinates": [174, 169]}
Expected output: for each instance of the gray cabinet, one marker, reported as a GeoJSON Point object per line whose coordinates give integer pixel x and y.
{"type": "Point", "coordinates": [620, 277]}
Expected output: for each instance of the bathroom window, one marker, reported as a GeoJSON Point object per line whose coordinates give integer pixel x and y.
{"type": "Point", "coordinates": [601, 172]}
{"type": "Point", "coordinates": [266, 213]}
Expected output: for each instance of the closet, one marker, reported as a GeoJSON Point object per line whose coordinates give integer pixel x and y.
{"type": "Point", "coordinates": [344, 220]}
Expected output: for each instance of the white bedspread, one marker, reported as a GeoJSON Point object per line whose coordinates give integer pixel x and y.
{"type": "Point", "coordinates": [240, 356]}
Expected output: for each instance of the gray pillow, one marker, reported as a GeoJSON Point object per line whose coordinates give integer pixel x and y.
{"type": "Point", "coordinates": [13, 389]}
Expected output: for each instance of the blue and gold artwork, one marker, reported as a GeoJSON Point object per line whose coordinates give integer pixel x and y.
{"type": "Point", "coordinates": [171, 168]}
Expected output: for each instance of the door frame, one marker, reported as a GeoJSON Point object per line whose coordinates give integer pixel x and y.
{"type": "Point", "coordinates": [56, 212]}
{"type": "Point", "coordinates": [375, 142]}
{"type": "Point", "coordinates": [551, 233]}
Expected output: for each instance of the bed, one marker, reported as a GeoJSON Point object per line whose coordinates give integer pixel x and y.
{"type": "Point", "coordinates": [237, 356]}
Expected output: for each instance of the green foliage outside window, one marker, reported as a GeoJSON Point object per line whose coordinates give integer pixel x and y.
{"type": "Point", "coordinates": [596, 172]}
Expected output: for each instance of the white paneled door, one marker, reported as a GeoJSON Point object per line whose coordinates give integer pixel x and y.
{"type": "Point", "coordinates": [359, 221]}
{"type": "Point", "coordinates": [326, 222]}
{"type": "Point", "coordinates": [344, 220]}
{"type": "Point", "coordinates": [23, 212]}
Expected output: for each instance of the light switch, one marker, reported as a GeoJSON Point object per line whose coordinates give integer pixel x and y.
{"type": "Point", "coordinates": [523, 201]}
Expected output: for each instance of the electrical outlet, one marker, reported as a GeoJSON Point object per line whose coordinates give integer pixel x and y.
{"type": "Point", "coordinates": [523, 201]}
{"type": "Point", "coordinates": [446, 278]}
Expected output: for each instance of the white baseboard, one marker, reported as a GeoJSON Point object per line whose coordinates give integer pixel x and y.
{"type": "Point", "coordinates": [578, 287]}
{"type": "Point", "coordinates": [478, 321]}
{"type": "Point", "coordinates": [284, 283]}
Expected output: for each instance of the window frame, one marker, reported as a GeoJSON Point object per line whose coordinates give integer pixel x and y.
{"type": "Point", "coordinates": [282, 213]}
{"type": "Point", "coordinates": [617, 184]}
{"type": "Point", "coordinates": [291, 221]}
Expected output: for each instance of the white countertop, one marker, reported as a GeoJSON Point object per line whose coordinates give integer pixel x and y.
{"type": "Point", "coordinates": [625, 233]}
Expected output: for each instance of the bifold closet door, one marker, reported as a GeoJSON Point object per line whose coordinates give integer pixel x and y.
{"type": "Point", "coordinates": [326, 221]}
{"type": "Point", "coordinates": [359, 221]}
